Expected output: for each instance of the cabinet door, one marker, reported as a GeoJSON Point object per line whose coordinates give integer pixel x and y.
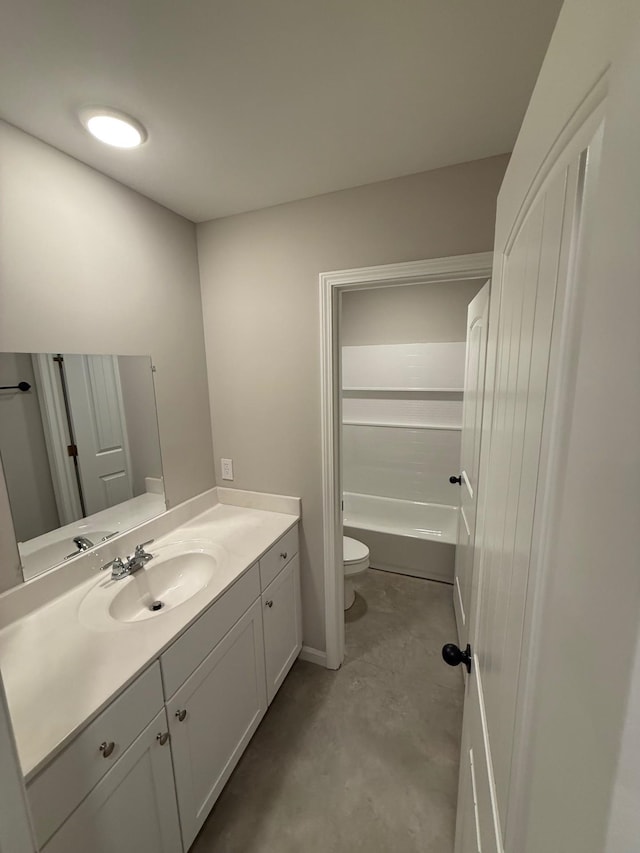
{"type": "Point", "coordinates": [212, 717]}
{"type": "Point", "coordinates": [282, 625]}
{"type": "Point", "coordinates": [133, 808]}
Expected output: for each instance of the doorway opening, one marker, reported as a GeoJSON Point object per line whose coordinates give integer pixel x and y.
{"type": "Point", "coordinates": [365, 400]}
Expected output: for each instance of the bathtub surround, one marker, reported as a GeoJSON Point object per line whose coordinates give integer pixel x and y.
{"type": "Point", "coordinates": [401, 431]}
{"type": "Point", "coordinates": [259, 274]}
{"type": "Point", "coordinates": [402, 419]}
{"type": "Point", "coordinates": [88, 265]}
{"type": "Point", "coordinates": [406, 537]}
{"type": "Point", "coordinates": [402, 398]}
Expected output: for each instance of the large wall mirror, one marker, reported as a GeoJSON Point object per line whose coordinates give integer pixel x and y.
{"type": "Point", "coordinates": [80, 450]}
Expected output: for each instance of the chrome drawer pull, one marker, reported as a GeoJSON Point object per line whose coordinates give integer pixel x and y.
{"type": "Point", "coordinates": [162, 738]}
{"type": "Point", "coordinates": [268, 603]}
{"type": "Point", "coordinates": [107, 748]}
{"type": "Point", "coordinates": [181, 715]}
{"type": "Point", "coordinates": [284, 555]}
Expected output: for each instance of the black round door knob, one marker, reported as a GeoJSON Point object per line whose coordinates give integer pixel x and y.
{"type": "Point", "coordinates": [454, 656]}
{"type": "Point", "coordinates": [453, 479]}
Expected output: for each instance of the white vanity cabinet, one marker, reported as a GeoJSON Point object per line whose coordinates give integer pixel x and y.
{"type": "Point", "coordinates": [222, 673]}
{"type": "Point", "coordinates": [133, 808]}
{"type": "Point", "coordinates": [282, 618]}
{"type": "Point", "coordinates": [111, 788]}
{"type": "Point", "coordinates": [143, 776]}
{"type": "Point", "coordinates": [213, 716]}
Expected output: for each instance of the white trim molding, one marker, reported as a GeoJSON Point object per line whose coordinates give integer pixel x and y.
{"type": "Point", "coordinates": [332, 285]}
{"type": "Point", "coordinates": [312, 655]}
{"type": "Point", "coordinates": [54, 422]}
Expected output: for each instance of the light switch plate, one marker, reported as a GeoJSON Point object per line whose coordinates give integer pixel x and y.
{"type": "Point", "coordinates": [227, 469]}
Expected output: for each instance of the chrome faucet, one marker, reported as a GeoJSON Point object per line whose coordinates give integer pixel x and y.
{"type": "Point", "coordinates": [130, 565]}
{"type": "Point", "coordinates": [82, 543]}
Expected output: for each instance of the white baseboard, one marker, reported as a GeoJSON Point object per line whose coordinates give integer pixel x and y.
{"type": "Point", "coordinates": [312, 655]}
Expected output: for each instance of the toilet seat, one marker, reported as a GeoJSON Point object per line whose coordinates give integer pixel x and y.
{"type": "Point", "coordinates": [355, 556]}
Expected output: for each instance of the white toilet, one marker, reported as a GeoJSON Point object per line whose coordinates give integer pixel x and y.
{"type": "Point", "coordinates": [355, 556]}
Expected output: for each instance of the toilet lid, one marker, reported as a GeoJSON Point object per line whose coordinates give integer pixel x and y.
{"type": "Point", "coordinates": [353, 551]}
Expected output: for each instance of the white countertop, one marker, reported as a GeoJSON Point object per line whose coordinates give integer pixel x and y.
{"type": "Point", "coordinates": [59, 674]}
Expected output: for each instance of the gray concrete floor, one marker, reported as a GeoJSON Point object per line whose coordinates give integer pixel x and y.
{"type": "Point", "coordinates": [365, 758]}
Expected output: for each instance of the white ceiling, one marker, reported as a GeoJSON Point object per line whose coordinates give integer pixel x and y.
{"type": "Point", "coordinates": [250, 103]}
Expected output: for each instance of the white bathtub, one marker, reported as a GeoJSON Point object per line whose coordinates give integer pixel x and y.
{"type": "Point", "coordinates": [408, 537]}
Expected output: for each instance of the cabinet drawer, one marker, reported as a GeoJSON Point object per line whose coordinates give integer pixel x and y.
{"type": "Point", "coordinates": [60, 787]}
{"type": "Point", "coordinates": [189, 650]}
{"type": "Point", "coordinates": [278, 556]}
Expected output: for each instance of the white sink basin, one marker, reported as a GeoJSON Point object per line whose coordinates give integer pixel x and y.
{"type": "Point", "coordinates": [178, 572]}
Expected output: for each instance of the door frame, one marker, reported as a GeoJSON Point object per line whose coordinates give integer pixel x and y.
{"type": "Point", "coordinates": [55, 426]}
{"type": "Point", "coordinates": [332, 286]}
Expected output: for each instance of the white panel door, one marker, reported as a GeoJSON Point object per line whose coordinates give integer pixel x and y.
{"type": "Point", "coordinates": [100, 432]}
{"type": "Point", "coordinates": [528, 306]}
{"type": "Point", "coordinates": [133, 808]}
{"type": "Point", "coordinates": [212, 717]}
{"type": "Point", "coordinates": [476, 357]}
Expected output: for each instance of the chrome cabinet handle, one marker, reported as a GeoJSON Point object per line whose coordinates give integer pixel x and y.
{"type": "Point", "coordinates": [268, 603]}
{"type": "Point", "coordinates": [181, 715]}
{"type": "Point", "coordinates": [107, 748]}
{"type": "Point", "coordinates": [284, 555]}
{"type": "Point", "coordinates": [162, 738]}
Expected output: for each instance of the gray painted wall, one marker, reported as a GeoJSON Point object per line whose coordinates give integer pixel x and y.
{"type": "Point", "coordinates": [416, 314]}
{"type": "Point", "coordinates": [87, 265]}
{"type": "Point", "coordinates": [259, 277]}
{"type": "Point", "coordinates": [139, 401]}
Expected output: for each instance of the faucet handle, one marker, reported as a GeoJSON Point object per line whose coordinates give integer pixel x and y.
{"type": "Point", "coordinates": [140, 548]}
{"type": "Point", "coordinates": [117, 566]}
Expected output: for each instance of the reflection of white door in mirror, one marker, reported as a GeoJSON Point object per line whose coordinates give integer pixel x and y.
{"type": "Point", "coordinates": [99, 427]}
{"type": "Point", "coordinates": [85, 430]}
{"type": "Point", "coordinates": [81, 452]}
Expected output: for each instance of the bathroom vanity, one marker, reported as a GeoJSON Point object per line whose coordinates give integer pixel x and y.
{"type": "Point", "coordinates": [128, 719]}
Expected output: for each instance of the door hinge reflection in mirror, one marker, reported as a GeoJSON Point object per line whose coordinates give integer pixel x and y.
{"type": "Point", "coordinates": [72, 450]}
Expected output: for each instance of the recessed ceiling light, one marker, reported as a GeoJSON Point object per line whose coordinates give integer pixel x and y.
{"type": "Point", "coordinates": [113, 127]}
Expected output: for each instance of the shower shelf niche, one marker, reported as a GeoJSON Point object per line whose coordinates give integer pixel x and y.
{"type": "Point", "coordinates": [347, 422]}
{"type": "Point", "coordinates": [402, 410]}
{"type": "Point", "coordinates": [408, 390]}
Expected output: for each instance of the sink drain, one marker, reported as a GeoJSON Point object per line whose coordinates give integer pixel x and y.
{"type": "Point", "coordinates": [157, 605]}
